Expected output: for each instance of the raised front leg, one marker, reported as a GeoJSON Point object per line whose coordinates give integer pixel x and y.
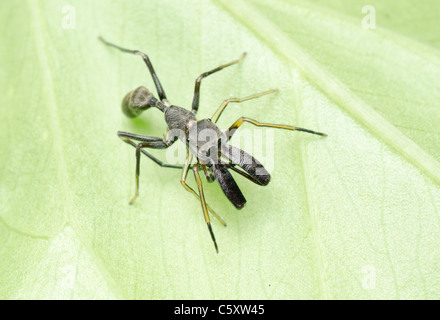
{"type": "Point", "coordinates": [160, 90]}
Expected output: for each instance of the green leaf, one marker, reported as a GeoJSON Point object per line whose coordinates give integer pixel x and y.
{"type": "Point", "coordinates": [354, 215]}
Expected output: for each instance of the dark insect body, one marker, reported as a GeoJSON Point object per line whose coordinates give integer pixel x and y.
{"type": "Point", "coordinates": [204, 140]}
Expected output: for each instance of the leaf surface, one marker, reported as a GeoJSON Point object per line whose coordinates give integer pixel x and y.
{"type": "Point", "coordinates": [354, 215]}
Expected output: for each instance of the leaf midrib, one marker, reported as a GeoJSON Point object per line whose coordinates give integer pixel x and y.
{"type": "Point", "coordinates": [344, 98]}
{"type": "Point", "coordinates": [333, 88]}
